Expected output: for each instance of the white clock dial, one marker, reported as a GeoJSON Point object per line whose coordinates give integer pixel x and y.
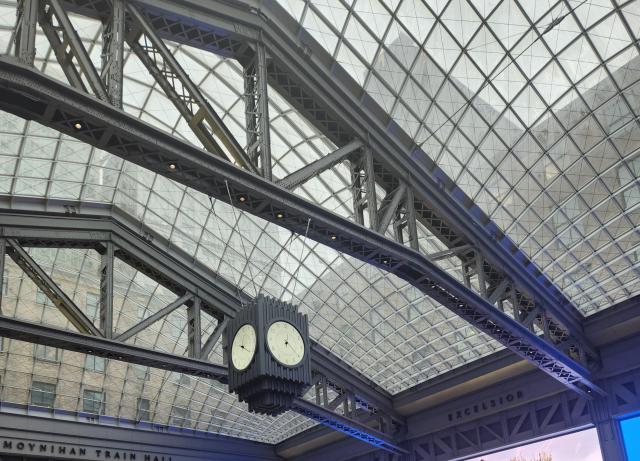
{"type": "Point", "coordinates": [285, 343]}
{"type": "Point", "coordinates": [243, 347]}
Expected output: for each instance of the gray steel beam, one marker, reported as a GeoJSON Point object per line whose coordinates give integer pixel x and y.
{"type": "Point", "coordinates": [363, 189]}
{"type": "Point", "coordinates": [185, 95]}
{"type": "Point", "coordinates": [106, 291]}
{"type": "Point", "coordinates": [313, 169]}
{"type": "Point", "coordinates": [58, 297]}
{"type": "Point", "coordinates": [99, 223]}
{"type": "Point", "coordinates": [212, 340]}
{"type": "Point", "coordinates": [147, 322]}
{"type": "Point", "coordinates": [58, 106]}
{"type": "Point", "coordinates": [113, 33]}
{"type": "Point", "coordinates": [310, 79]}
{"type": "Point", "coordinates": [347, 425]}
{"type": "Point", "coordinates": [70, 41]}
{"type": "Point", "coordinates": [194, 329]}
{"type": "Point", "coordinates": [3, 252]}
{"type": "Point", "coordinates": [25, 36]}
{"type": "Point", "coordinates": [257, 110]}
{"type": "Point", "coordinates": [412, 227]}
{"type": "Point", "coordinates": [116, 350]}
{"type": "Point", "coordinates": [112, 349]}
{"type": "Point", "coordinates": [389, 210]}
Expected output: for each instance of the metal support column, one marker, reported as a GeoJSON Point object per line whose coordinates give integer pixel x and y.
{"type": "Point", "coordinates": [67, 46]}
{"type": "Point", "coordinates": [106, 291]}
{"type": "Point", "coordinates": [363, 187]}
{"type": "Point", "coordinates": [257, 111]}
{"type": "Point", "coordinates": [194, 329]}
{"type": "Point", "coordinates": [412, 224]}
{"type": "Point", "coordinates": [609, 435]}
{"type": "Point", "coordinates": [184, 93]}
{"type": "Point", "coordinates": [25, 38]}
{"type": "Point", "coordinates": [113, 52]}
{"type": "Point", "coordinates": [3, 247]}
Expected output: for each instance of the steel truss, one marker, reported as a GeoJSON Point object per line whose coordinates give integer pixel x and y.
{"type": "Point", "coordinates": [370, 417]}
{"type": "Point", "coordinates": [101, 125]}
{"type": "Point", "coordinates": [492, 266]}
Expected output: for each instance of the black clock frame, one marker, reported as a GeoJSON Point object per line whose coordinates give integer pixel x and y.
{"type": "Point", "coordinates": [267, 385]}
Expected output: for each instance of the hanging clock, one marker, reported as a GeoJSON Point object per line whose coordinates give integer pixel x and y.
{"type": "Point", "coordinates": [268, 350]}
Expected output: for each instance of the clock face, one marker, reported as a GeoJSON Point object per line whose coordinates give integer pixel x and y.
{"type": "Point", "coordinates": [243, 347]}
{"type": "Point", "coordinates": [285, 343]}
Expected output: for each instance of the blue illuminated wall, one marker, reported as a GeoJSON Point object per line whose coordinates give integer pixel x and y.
{"type": "Point", "coordinates": [631, 436]}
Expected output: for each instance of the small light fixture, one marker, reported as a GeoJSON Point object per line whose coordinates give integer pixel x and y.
{"type": "Point", "coordinates": [77, 125]}
{"type": "Point", "coordinates": [385, 261]}
{"type": "Point", "coordinates": [172, 166]}
{"type": "Point", "coordinates": [279, 215]}
{"type": "Point", "coordinates": [242, 198]}
{"type": "Point", "coordinates": [334, 237]}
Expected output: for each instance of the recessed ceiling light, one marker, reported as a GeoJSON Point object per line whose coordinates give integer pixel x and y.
{"type": "Point", "coordinates": [243, 198]}
{"type": "Point", "coordinates": [172, 166]}
{"type": "Point", "coordinates": [279, 215]}
{"type": "Point", "coordinates": [77, 125]}
{"type": "Point", "coordinates": [334, 237]}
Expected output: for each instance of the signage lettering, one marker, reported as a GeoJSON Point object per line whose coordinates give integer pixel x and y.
{"type": "Point", "coordinates": [485, 405]}
{"type": "Point", "coordinates": [71, 451]}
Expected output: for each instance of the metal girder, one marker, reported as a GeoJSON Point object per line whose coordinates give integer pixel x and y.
{"type": "Point", "coordinates": [309, 78]}
{"type": "Point", "coordinates": [185, 95]}
{"type": "Point", "coordinates": [58, 106]}
{"type": "Point", "coordinates": [102, 224]}
{"type": "Point", "coordinates": [194, 329]}
{"type": "Point", "coordinates": [41, 334]}
{"type": "Point", "coordinates": [3, 252]}
{"type": "Point", "coordinates": [257, 111]}
{"type": "Point", "coordinates": [67, 46]}
{"type": "Point", "coordinates": [347, 425]}
{"type": "Point", "coordinates": [46, 284]}
{"type": "Point", "coordinates": [363, 189]}
{"type": "Point", "coordinates": [212, 340]}
{"type": "Point", "coordinates": [147, 322]}
{"type": "Point", "coordinates": [113, 33]}
{"type": "Point", "coordinates": [102, 347]}
{"type": "Point", "coordinates": [313, 169]}
{"type": "Point", "coordinates": [389, 207]}
{"type": "Point", "coordinates": [25, 35]}
{"type": "Point", "coordinates": [106, 290]}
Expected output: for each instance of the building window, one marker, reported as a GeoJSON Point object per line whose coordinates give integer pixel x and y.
{"type": "Point", "coordinates": [141, 372]}
{"type": "Point", "coordinates": [1, 343]}
{"type": "Point", "coordinates": [47, 353]}
{"type": "Point", "coordinates": [43, 394]}
{"type": "Point", "coordinates": [41, 298]}
{"type": "Point", "coordinates": [93, 401]}
{"type": "Point", "coordinates": [631, 196]}
{"type": "Point", "coordinates": [144, 414]}
{"type": "Point", "coordinates": [179, 416]}
{"type": "Point", "coordinates": [92, 300]}
{"type": "Point", "coordinates": [93, 363]}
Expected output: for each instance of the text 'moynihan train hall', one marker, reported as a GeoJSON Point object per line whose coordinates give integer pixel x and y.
{"type": "Point", "coordinates": [320, 230]}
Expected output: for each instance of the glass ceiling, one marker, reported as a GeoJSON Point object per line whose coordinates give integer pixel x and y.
{"type": "Point", "coordinates": [546, 144]}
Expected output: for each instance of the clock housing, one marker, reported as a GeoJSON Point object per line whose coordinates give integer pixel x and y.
{"type": "Point", "coordinates": [268, 385]}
